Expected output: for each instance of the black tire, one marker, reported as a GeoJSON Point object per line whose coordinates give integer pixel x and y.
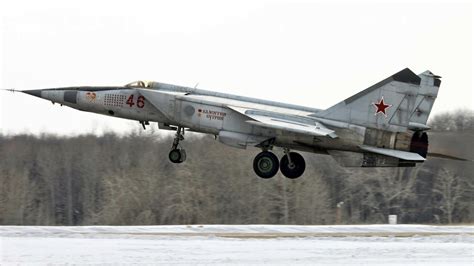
{"type": "Point", "coordinates": [176, 156]}
{"type": "Point", "coordinates": [183, 155]}
{"type": "Point", "coordinates": [266, 165]}
{"type": "Point", "coordinates": [299, 165]}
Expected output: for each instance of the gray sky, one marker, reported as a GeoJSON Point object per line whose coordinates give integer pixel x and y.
{"type": "Point", "coordinates": [312, 53]}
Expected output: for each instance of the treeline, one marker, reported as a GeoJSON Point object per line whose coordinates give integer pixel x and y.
{"type": "Point", "coordinates": [458, 121]}
{"type": "Point", "coordinates": [128, 180]}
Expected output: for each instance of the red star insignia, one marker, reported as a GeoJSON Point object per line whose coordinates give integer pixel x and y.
{"type": "Point", "coordinates": [381, 107]}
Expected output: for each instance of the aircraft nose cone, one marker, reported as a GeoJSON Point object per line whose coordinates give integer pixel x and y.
{"type": "Point", "coordinates": [36, 93]}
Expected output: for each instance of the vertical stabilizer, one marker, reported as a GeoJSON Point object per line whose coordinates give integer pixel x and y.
{"type": "Point", "coordinates": [429, 87]}
{"type": "Point", "coordinates": [387, 105]}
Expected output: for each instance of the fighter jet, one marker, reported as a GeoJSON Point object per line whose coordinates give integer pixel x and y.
{"type": "Point", "coordinates": [381, 126]}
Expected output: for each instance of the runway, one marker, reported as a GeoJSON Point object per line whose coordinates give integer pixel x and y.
{"type": "Point", "coordinates": [239, 244]}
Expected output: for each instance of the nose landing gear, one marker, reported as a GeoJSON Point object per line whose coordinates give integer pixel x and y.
{"type": "Point", "coordinates": [177, 155]}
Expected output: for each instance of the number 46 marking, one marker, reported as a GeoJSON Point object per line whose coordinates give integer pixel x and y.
{"type": "Point", "coordinates": [140, 101]}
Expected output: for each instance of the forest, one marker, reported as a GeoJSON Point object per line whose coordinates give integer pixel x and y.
{"type": "Point", "coordinates": [127, 180]}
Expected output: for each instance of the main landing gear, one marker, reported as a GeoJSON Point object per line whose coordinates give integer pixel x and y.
{"type": "Point", "coordinates": [291, 165]}
{"type": "Point", "coordinates": [177, 155]}
{"type": "Point", "coordinates": [265, 164]}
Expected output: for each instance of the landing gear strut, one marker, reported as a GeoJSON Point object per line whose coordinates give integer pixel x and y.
{"type": "Point", "coordinates": [177, 155]}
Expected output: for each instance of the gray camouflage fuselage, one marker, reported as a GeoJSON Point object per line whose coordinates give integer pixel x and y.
{"type": "Point", "coordinates": [354, 131]}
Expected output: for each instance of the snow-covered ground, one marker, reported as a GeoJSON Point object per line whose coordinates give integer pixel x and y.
{"type": "Point", "coordinates": [239, 244]}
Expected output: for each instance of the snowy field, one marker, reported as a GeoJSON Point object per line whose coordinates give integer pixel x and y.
{"type": "Point", "coordinates": [239, 244]}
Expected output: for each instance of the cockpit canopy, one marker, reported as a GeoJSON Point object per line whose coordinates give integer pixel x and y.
{"type": "Point", "coordinates": [139, 84]}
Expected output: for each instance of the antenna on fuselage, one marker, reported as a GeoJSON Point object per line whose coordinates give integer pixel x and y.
{"type": "Point", "coordinates": [193, 90]}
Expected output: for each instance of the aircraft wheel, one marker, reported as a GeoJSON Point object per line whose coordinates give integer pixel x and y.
{"type": "Point", "coordinates": [297, 167]}
{"type": "Point", "coordinates": [266, 164]}
{"type": "Point", "coordinates": [177, 155]}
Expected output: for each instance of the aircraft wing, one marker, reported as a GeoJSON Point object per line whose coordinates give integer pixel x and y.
{"type": "Point", "coordinates": [285, 123]}
{"type": "Point", "coordinates": [259, 117]}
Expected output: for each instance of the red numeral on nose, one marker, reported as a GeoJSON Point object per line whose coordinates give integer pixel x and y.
{"type": "Point", "coordinates": [140, 101]}
{"type": "Point", "coordinates": [130, 101]}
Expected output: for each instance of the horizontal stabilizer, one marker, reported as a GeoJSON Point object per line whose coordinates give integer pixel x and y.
{"type": "Point", "coordinates": [404, 155]}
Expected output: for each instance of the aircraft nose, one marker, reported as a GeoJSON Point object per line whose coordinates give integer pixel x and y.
{"type": "Point", "coordinates": [36, 93]}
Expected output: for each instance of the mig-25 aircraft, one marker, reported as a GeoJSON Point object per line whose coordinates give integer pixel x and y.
{"type": "Point", "coordinates": [381, 126]}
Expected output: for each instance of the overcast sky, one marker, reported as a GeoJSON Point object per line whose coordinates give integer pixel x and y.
{"type": "Point", "coordinates": [310, 53]}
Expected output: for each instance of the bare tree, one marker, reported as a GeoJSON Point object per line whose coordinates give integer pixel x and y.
{"type": "Point", "coordinates": [449, 190]}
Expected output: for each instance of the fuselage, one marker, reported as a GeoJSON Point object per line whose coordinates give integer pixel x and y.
{"type": "Point", "coordinates": [202, 111]}
{"type": "Point", "coordinates": [235, 120]}
{"type": "Point", "coordinates": [383, 125]}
